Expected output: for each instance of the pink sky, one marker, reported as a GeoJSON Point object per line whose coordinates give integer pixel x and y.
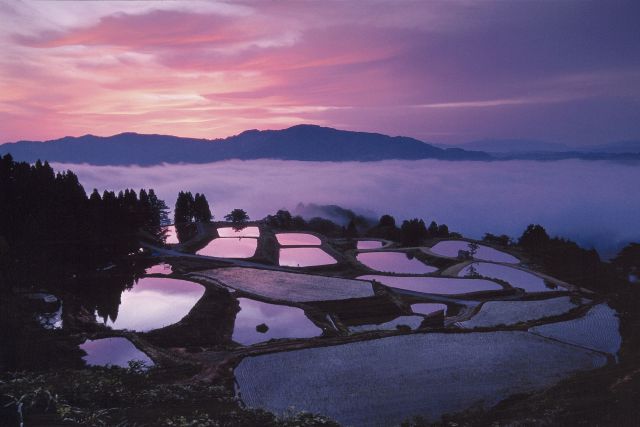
{"type": "Point", "coordinates": [446, 72]}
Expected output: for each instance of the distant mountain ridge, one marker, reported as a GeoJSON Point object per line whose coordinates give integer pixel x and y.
{"type": "Point", "coordinates": [301, 142]}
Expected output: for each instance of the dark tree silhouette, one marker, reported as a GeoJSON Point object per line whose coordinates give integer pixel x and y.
{"type": "Point", "coordinates": [352, 230]}
{"type": "Point", "coordinates": [534, 239]}
{"type": "Point", "coordinates": [201, 210]}
{"type": "Point", "coordinates": [387, 221]}
{"type": "Point", "coordinates": [238, 218]}
{"type": "Point", "coordinates": [413, 232]}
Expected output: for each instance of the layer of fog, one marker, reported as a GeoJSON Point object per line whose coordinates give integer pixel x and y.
{"type": "Point", "coordinates": [595, 203]}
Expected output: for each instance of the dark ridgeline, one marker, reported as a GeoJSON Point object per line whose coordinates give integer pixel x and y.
{"type": "Point", "coordinates": [303, 142]}
{"type": "Point", "coordinates": [50, 230]}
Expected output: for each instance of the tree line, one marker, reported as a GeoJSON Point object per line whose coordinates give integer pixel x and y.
{"type": "Point", "coordinates": [49, 227]}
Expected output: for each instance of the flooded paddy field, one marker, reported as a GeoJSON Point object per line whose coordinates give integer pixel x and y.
{"type": "Point", "coordinates": [394, 262]}
{"type": "Point", "coordinates": [114, 351]}
{"type": "Point", "coordinates": [451, 248]}
{"type": "Point", "coordinates": [298, 239]}
{"type": "Point", "coordinates": [154, 302]}
{"type": "Point", "coordinates": [305, 257]}
{"type": "Point", "coordinates": [435, 285]}
{"type": "Point", "coordinates": [230, 247]}
{"type": "Point", "coordinates": [517, 278]}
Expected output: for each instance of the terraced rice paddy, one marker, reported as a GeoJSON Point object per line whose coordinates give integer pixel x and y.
{"type": "Point", "coordinates": [155, 302]}
{"type": "Point", "coordinates": [370, 244]}
{"type": "Point", "coordinates": [435, 285]}
{"type": "Point", "coordinates": [515, 277]}
{"type": "Point", "coordinates": [382, 382]}
{"type": "Point", "coordinates": [450, 248]}
{"type": "Point", "coordinates": [243, 232]}
{"type": "Point", "coordinates": [494, 313]}
{"type": "Point", "coordinates": [597, 330]}
{"type": "Point", "coordinates": [297, 239]}
{"type": "Point", "coordinates": [116, 351]}
{"type": "Point", "coordinates": [229, 247]}
{"type": "Point", "coordinates": [394, 262]}
{"type": "Point", "coordinates": [159, 269]}
{"type": "Point", "coordinates": [283, 286]}
{"type": "Point", "coordinates": [428, 308]}
{"type": "Point", "coordinates": [282, 322]}
{"type": "Point", "coordinates": [412, 322]}
{"type": "Point", "coordinates": [304, 257]}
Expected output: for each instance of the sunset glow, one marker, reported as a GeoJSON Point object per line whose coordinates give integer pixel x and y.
{"type": "Point", "coordinates": [439, 71]}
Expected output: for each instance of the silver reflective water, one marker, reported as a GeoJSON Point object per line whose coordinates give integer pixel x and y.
{"type": "Point", "coordinates": [515, 277]}
{"type": "Point", "coordinates": [282, 322]}
{"type": "Point", "coordinates": [155, 302]}
{"type": "Point", "coordinates": [450, 248]}
{"type": "Point", "coordinates": [394, 262]}
{"type": "Point", "coordinates": [116, 351]}
{"type": "Point", "coordinates": [305, 257]}
{"type": "Point", "coordinates": [230, 247]}
{"type": "Point", "coordinates": [435, 285]}
{"type": "Point", "coordinates": [242, 232]}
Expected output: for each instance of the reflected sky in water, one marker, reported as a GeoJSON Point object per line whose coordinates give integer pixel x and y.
{"type": "Point", "coordinates": [283, 322]}
{"type": "Point", "coordinates": [243, 232]}
{"type": "Point", "coordinates": [155, 302]}
{"type": "Point", "coordinates": [450, 248]}
{"type": "Point", "coordinates": [172, 235]}
{"type": "Point", "coordinates": [292, 239]}
{"type": "Point", "coordinates": [394, 262]}
{"type": "Point", "coordinates": [230, 247]}
{"type": "Point", "coordinates": [516, 278]}
{"type": "Point", "coordinates": [162, 268]}
{"type": "Point", "coordinates": [369, 244]}
{"type": "Point", "coordinates": [116, 351]}
{"type": "Point", "coordinates": [305, 257]}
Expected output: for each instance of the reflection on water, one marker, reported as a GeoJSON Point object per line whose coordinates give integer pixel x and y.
{"type": "Point", "coordinates": [370, 244]}
{"type": "Point", "coordinates": [394, 262]}
{"type": "Point", "coordinates": [428, 308]}
{"type": "Point", "coordinates": [305, 257]}
{"type": "Point", "coordinates": [116, 351]}
{"type": "Point", "coordinates": [517, 278]}
{"type": "Point", "coordinates": [282, 322]}
{"type": "Point", "coordinates": [243, 232]}
{"type": "Point", "coordinates": [162, 268]}
{"type": "Point", "coordinates": [172, 235]}
{"type": "Point", "coordinates": [436, 285]}
{"type": "Point", "coordinates": [154, 303]}
{"type": "Point", "coordinates": [297, 239]}
{"type": "Point", "coordinates": [230, 247]}
{"type": "Point", "coordinates": [450, 248]}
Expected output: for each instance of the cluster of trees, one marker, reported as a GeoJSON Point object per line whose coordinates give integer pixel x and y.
{"type": "Point", "coordinates": [566, 260]}
{"type": "Point", "coordinates": [49, 227]}
{"type": "Point", "coordinates": [191, 209]}
{"type": "Point", "coordinates": [412, 232]}
{"type": "Point", "coordinates": [237, 217]}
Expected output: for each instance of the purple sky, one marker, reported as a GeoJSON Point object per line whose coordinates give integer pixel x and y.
{"type": "Point", "coordinates": [448, 72]}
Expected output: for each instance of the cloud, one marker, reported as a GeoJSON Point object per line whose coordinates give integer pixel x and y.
{"type": "Point", "coordinates": [586, 201]}
{"type": "Point", "coordinates": [212, 69]}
